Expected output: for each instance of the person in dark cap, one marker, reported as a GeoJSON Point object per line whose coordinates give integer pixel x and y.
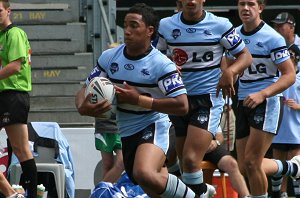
{"type": "Point", "coordinates": [285, 23]}
{"type": "Point", "coordinates": [287, 142]}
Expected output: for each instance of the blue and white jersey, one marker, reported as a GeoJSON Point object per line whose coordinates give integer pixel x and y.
{"type": "Point", "coordinates": [289, 132]}
{"type": "Point", "coordinates": [198, 48]}
{"type": "Point", "coordinates": [268, 49]}
{"type": "Point", "coordinates": [153, 75]}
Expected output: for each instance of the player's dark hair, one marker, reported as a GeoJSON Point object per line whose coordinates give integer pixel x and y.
{"type": "Point", "coordinates": [149, 16]}
{"type": "Point", "coordinates": [6, 3]}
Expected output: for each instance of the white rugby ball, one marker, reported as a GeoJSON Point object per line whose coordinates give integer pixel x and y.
{"type": "Point", "coordinates": [102, 88]}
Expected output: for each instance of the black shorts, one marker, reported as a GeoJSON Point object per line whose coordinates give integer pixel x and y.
{"type": "Point", "coordinates": [285, 147]}
{"type": "Point", "coordinates": [261, 117]}
{"type": "Point", "coordinates": [216, 155]}
{"type": "Point", "coordinates": [130, 145]}
{"type": "Point", "coordinates": [15, 107]}
{"type": "Point", "coordinates": [204, 112]}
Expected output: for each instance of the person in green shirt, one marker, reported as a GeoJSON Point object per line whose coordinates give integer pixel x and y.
{"type": "Point", "coordinates": [15, 83]}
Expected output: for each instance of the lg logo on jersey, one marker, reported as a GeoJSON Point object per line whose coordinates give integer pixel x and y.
{"type": "Point", "coordinates": [260, 68]}
{"type": "Point", "coordinates": [207, 56]}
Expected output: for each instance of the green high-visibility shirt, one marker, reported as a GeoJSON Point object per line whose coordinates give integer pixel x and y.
{"type": "Point", "coordinates": [14, 45]}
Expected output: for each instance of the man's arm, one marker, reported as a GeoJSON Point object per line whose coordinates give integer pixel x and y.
{"type": "Point", "coordinates": [11, 69]}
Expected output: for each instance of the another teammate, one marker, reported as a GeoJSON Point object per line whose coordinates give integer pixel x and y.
{"type": "Point", "coordinates": [15, 83]}
{"type": "Point", "coordinates": [287, 143]}
{"type": "Point", "coordinates": [259, 106]}
{"type": "Point", "coordinates": [147, 84]}
{"type": "Point", "coordinates": [196, 40]}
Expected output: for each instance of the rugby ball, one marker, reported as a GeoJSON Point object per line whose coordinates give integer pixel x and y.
{"type": "Point", "coordinates": [102, 88]}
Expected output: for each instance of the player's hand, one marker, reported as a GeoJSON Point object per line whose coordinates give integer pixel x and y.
{"type": "Point", "coordinates": [94, 110]}
{"type": "Point", "coordinates": [178, 68]}
{"type": "Point", "coordinates": [127, 94]}
{"type": "Point", "coordinates": [226, 83]}
{"type": "Point", "coordinates": [213, 145]}
{"type": "Point", "coordinates": [254, 99]}
{"type": "Point", "coordinates": [292, 104]}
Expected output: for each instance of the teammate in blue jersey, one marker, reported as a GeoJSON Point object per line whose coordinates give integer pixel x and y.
{"type": "Point", "coordinates": [287, 143]}
{"type": "Point", "coordinates": [259, 106]}
{"type": "Point", "coordinates": [148, 87]}
{"type": "Point", "coordinates": [196, 40]}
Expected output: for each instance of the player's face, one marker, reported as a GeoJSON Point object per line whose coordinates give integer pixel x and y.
{"type": "Point", "coordinates": [192, 8]}
{"type": "Point", "coordinates": [284, 29]}
{"type": "Point", "coordinates": [136, 33]}
{"type": "Point", "coordinates": [4, 15]}
{"type": "Point", "coordinates": [249, 10]}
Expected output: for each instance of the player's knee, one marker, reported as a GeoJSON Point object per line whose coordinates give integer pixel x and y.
{"type": "Point", "coordinates": [189, 163]}
{"type": "Point", "coordinates": [142, 176]}
{"type": "Point", "coordinates": [251, 164]}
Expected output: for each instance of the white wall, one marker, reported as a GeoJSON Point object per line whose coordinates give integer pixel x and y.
{"type": "Point", "coordinates": [85, 156]}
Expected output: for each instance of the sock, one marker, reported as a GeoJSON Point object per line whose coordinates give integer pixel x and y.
{"type": "Point", "coordinates": [175, 169]}
{"type": "Point", "coordinates": [276, 184]}
{"type": "Point", "coordinates": [13, 195]}
{"type": "Point", "coordinates": [195, 182]}
{"type": "Point", "coordinates": [260, 196]}
{"type": "Point", "coordinates": [29, 177]}
{"type": "Point", "coordinates": [296, 188]}
{"type": "Point", "coordinates": [177, 189]}
{"type": "Point", "coordinates": [287, 168]}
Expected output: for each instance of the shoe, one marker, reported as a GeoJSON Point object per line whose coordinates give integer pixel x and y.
{"type": "Point", "coordinates": [296, 160]}
{"type": "Point", "coordinates": [19, 196]}
{"type": "Point", "coordinates": [284, 195]}
{"type": "Point", "coordinates": [210, 192]}
{"type": "Point", "coordinates": [16, 195]}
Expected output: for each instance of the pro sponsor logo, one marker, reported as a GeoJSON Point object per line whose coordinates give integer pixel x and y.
{"type": "Point", "coordinates": [179, 56]}
{"type": "Point", "coordinates": [233, 38]}
{"type": "Point", "coordinates": [280, 54]}
{"type": "Point", "coordinates": [172, 82]}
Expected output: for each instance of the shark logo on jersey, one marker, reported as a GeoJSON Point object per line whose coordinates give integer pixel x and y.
{"type": "Point", "coordinates": [208, 32]}
{"type": "Point", "coordinates": [282, 53]}
{"type": "Point", "coordinates": [233, 38]}
{"type": "Point", "coordinates": [114, 67]}
{"type": "Point", "coordinates": [145, 72]}
{"type": "Point", "coordinates": [172, 82]}
{"type": "Point", "coordinates": [179, 56]}
{"type": "Point", "coordinates": [191, 30]}
{"type": "Point", "coordinates": [176, 33]}
{"type": "Point", "coordinates": [259, 44]}
{"type": "Point", "coordinates": [246, 41]}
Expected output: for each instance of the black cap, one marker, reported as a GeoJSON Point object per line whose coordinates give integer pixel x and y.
{"type": "Point", "coordinates": [284, 17]}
